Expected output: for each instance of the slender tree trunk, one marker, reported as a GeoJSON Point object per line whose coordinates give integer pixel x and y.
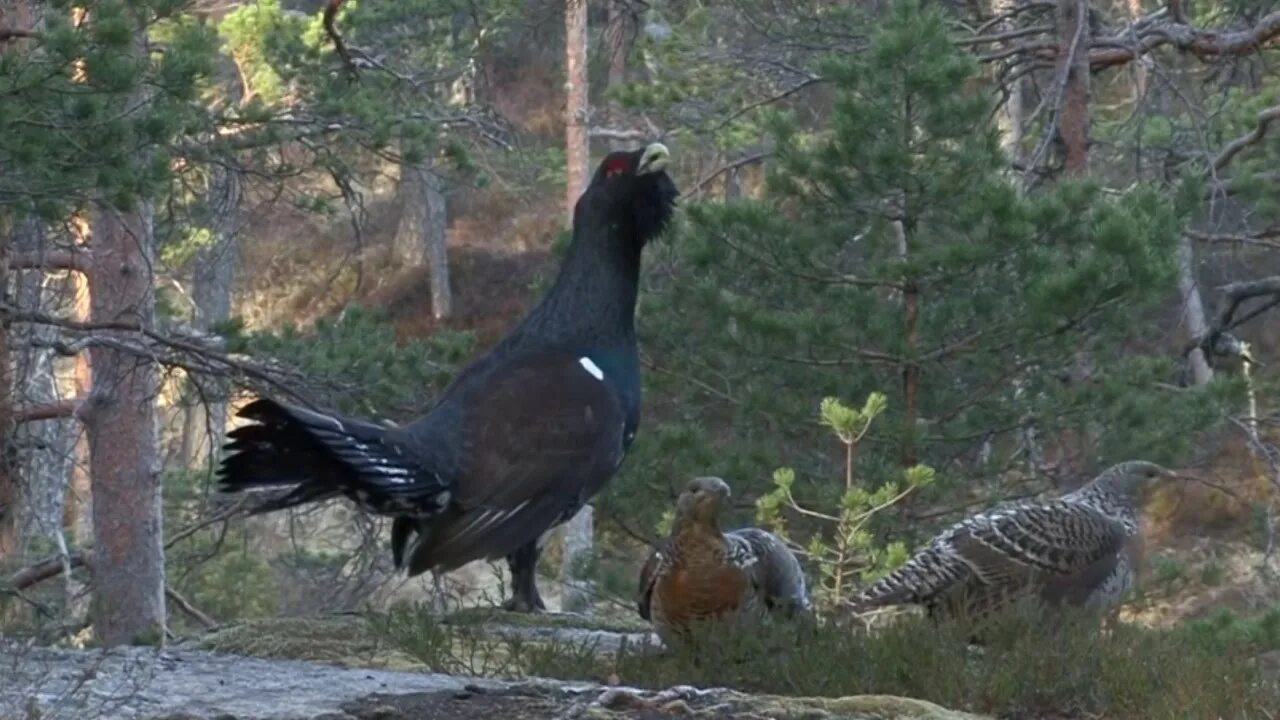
{"type": "Point", "coordinates": [213, 277]}
{"type": "Point", "coordinates": [43, 446]}
{"type": "Point", "coordinates": [621, 32]}
{"type": "Point", "coordinates": [575, 122]}
{"type": "Point", "coordinates": [8, 481]}
{"type": "Point", "coordinates": [910, 368]}
{"type": "Point", "coordinates": [1012, 117]}
{"type": "Point", "coordinates": [578, 536]}
{"type": "Point", "coordinates": [1193, 318]}
{"type": "Point", "coordinates": [1139, 66]}
{"type": "Point", "coordinates": [422, 237]}
{"type": "Point", "coordinates": [14, 15]}
{"type": "Point", "coordinates": [79, 501]}
{"type": "Point", "coordinates": [120, 417]}
{"type": "Point", "coordinates": [1073, 59]}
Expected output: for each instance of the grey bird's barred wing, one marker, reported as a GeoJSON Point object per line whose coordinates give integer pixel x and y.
{"type": "Point", "coordinates": [773, 568]}
{"type": "Point", "coordinates": [541, 439]}
{"type": "Point", "coordinates": [1002, 554]}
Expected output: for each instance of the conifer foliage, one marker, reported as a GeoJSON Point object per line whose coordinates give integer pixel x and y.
{"type": "Point", "coordinates": [894, 252]}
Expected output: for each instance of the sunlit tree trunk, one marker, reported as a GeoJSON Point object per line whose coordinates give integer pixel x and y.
{"type": "Point", "coordinates": [120, 419]}
{"type": "Point", "coordinates": [578, 535]}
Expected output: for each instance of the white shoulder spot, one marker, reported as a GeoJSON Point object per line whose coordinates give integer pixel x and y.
{"type": "Point", "coordinates": [591, 367]}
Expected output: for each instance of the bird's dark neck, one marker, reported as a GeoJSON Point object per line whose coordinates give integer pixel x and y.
{"type": "Point", "coordinates": [593, 301]}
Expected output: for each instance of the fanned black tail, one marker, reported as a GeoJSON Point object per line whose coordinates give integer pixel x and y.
{"type": "Point", "coordinates": [324, 456]}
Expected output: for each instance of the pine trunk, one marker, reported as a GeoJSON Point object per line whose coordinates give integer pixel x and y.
{"type": "Point", "coordinates": [575, 122]}
{"type": "Point", "coordinates": [1012, 118]}
{"type": "Point", "coordinates": [213, 277]}
{"type": "Point", "coordinates": [8, 482]}
{"type": "Point", "coordinates": [1073, 65]}
{"type": "Point", "coordinates": [1193, 318]}
{"type": "Point", "coordinates": [578, 535]}
{"type": "Point", "coordinates": [120, 418]}
{"type": "Point", "coordinates": [45, 434]}
{"type": "Point", "coordinates": [422, 237]}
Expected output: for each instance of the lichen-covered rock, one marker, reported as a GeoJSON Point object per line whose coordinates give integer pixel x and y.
{"type": "Point", "coordinates": [136, 683]}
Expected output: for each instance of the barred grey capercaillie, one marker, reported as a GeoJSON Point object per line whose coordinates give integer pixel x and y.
{"type": "Point", "coordinates": [1080, 549]}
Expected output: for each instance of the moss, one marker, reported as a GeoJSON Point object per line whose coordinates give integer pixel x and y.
{"type": "Point", "coordinates": [339, 639]}
{"type": "Point", "coordinates": [856, 707]}
{"type": "Point", "coordinates": [497, 617]}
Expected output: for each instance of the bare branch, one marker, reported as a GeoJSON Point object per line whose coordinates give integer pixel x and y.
{"type": "Point", "coordinates": [44, 570]}
{"type": "Point", "coordinates": [727, 167]}
{"type": "Point", "coordinates": [47, 411]}
{"type": "Point", "coordinates": [1233, 148]}
{"type": "Point", "coordinates": [1204, 44]}
{"type": "Point", "coordinates": [330, 16]}
{"type": "Point", "coordinates": [49, 261]}
{"type": "Point", "coordinates": [7, 34]}
{"type": "Point", "coordinates": [185, 606]}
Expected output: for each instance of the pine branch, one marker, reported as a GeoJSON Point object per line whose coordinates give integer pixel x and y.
{"type": "Point", "coordinates": [330, 16]}
{"type": "Point", "coordinates": [50, 261]}
{"type": "Point", "coordinates": [47, 411]}
{"type": "Point", "coordinates": [1203, 43]}
{"type": "Point", "coordinates": [1233, 148]}
{"type": "Point", "coordinates": [8, 34]}
{"type": "Point", "coordinates": [44, 570]}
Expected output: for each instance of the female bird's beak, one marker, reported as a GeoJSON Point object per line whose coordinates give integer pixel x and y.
{"type": "Point", "coordinates": [655, 158]}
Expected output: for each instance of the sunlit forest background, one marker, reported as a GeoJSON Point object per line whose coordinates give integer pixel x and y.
{"type": "Point", "coordinates": [1024, 239]}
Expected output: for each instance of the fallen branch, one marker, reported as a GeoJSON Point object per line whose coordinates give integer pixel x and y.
{"type": "Point", "coordinates": [185, 606]}
{"type": "Point", "coordinates": [44, 570]}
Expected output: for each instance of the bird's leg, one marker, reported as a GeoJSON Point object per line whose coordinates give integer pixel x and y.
{"type": "Point", "coordinates": [524, 587]}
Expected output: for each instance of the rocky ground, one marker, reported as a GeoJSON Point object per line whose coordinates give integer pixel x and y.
{"type": "Point", "coordinates": [136, 683]}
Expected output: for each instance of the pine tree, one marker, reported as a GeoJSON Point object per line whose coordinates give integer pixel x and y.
{"type": "Point", "coordinates": [894, 253]}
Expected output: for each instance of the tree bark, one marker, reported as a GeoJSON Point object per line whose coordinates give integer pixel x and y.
{"type": "Point", "coordinates": [19, 16]}
{"type": "Point", "coordinates": [1072, 21]}
{"type": "Point", "coordinates": [578, 535]}
{"type": "Point", "coordinates": [621, 32]}
{"type": "Point", "coordinates": [45, 430]}
{"type": "Point", "coordinates": [1193, 318]}
{"type": "Point", "coordinates": [422, 237]}
{"type": "Point", "coordinates": [1139, 68]}
{"type": "Point", "coordinates": [120, 418]}
{"type": "Point", "coordinates": [575, 122]}
{"type": "Point", "coordinates": [8, 481]}
{"type": "Point", "coordinates": [213, 276]}
{"type": "Point", "coordinates": [1011, 119]}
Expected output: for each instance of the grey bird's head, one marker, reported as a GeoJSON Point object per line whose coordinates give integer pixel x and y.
{"type": "Point", "coordinates": [1134, 479]}
{"type": "Point", "coordinates": [700, 502]}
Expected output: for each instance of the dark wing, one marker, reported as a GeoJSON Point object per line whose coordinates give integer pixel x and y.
{"type": "Point", "coordinates": [773, 568]}
{"type": "Point", "coordinates": [649, 577]}
{"type": "Point", "coordinates": [324, 455]}
{"type": "Point", "coordinates": [535, 441]}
